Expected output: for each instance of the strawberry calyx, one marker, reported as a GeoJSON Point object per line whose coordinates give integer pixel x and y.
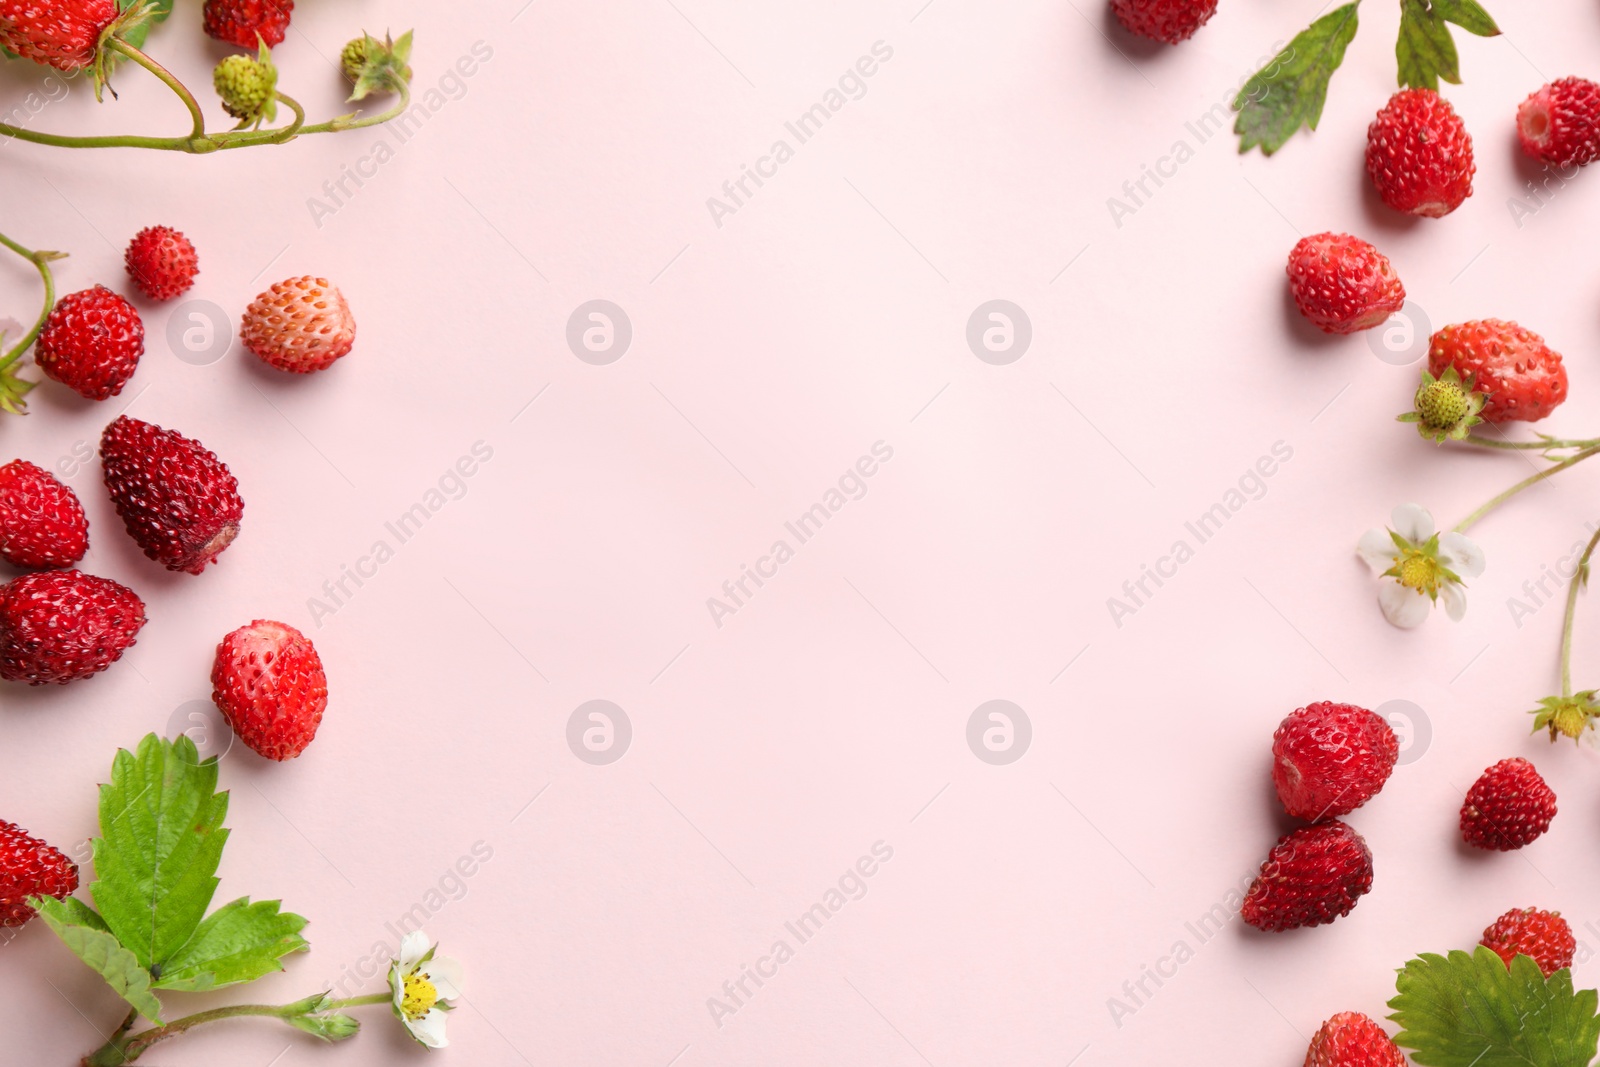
{"type": "Point", "coordinates": [1567, 716]}
{"type": "Point", "coordinates": [135, 17]}
{"type": "Point", "coordinates": [375, 66]}
{"type": "Point", "coordinates": [1418, 566]}
{"type": "Point", "coordinates": [1445, 408]}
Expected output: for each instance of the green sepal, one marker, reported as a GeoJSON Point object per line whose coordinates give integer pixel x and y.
{"type": "Point", "coordinates": [82, 931]}
{"type": "Point", "coordinates": [137, 33]}
{"type": "Point", "coordinates": [1473, 1010]}
{"type": "Point", "coordinates": [1289, 92]}
{"type": "Point", "coordinates": [1568, 716]}
{"type": "Point", "coordinates": [380, 66]}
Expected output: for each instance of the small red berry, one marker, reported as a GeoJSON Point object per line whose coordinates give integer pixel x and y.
{"type": "Point", "coordinates": [1342, 283]}
{"type": "Point", "coordinates": [1329, 759]}
{"type": "Point", "coordinates": [1560, 123]}
{"type": "Point", "coordinates": [1523, 379]}
{"type": "Point", "coordinates": [1508, 807]}
{"type": "Point", "coordinates": [161, 262]}
{"type": "Point", "coordinates": [42, 525]}
{"type": "Point", "coordinates": [299, 325]}
{"type": "Point", "coordinates": [91, 343]}
{"type": "Point", "coordinates": [1312, 876]}
{"type": "Point", "coordinates": [269, 684]}
{"type": "Point", "coordinates": [1544, 935]}
{"type": "Point", "coordinates": [1170, 21]}
{"type": "Point", "coordinates": [1419, 155]}
{"type": "Point", "coordinates": [29, 868]}
{"type": "Point", "coordinates": [177, 499]}
{"type": "Point", "coordinates": [62, 33]}
{"type": "Point", "coordinates": [240, 22]}
{"type": "Point", "coordinates": [1351, 1039]}
{"type": "Point", "coordinates": [59, 626]}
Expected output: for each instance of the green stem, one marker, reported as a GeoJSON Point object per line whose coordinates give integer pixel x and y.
{"type": "Point", "coordinates": [123, 1049]}
{"type": "Point", "coordinates": [1536, 446]}
{"type": "Point", "coordinates": [169, 79]}
{"type": "Point", "coordinates": [41, 261]}
{"type": "Point", "coordinates": [1496, 501]}
{"type": "Point", "coordinates": [1578, 579]}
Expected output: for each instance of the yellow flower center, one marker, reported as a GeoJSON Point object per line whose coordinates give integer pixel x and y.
{"type": "Point", "coordinates": [1420, 573]}
{"type": "Point", "coordinates": [420, 996]}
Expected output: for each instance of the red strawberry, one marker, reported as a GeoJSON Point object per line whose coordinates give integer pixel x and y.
{"type": "Point", "coordinates": [42, 525]}
{"type": "Point", "coordinates": [1342, 283]}
{"type": "Point", "coordinates": [177, 499]}
{"type": "Point", "coordinates": [1506, 808]}
{"type": "Point", "coordinates": [29, 867]}
{"type": "Point", "coordinates": [1312, 876]}
{"type": "Point", "coordinates": [1544, 935]}
{"type": "Point", "coordinates": [1560, 123]}
{"type": "Point", "coordinates": [240, 22]}
{"type": "Point", "coordinates": [1170, 21]}
{"type": "Point", "coordinates": [91, 343]}
{"type": "Point", "coordinates": [300, 325]}
{"type": "Point", "coordinates": [1329, 759]}
{"type": "Point", "coordinates": [59, 626]}
{"type": "Point", "coordinates": [1351, 1039]}
{"type": "Point", "coordinates": [1419, 155]}
{"type": "Point", "coordinates": [1523, 379]}
{"type": "Point", "coordinates": [161, 262]}
{"type": "Point", "coordinates": [269, 683]}
{"type": "Point", "coordinates": [58, 33]}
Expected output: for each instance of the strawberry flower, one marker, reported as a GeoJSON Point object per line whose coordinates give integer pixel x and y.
{"type": "Point", "coordinates": [1425, 566]}
{"type": "Point", "coordinates": [422, 987]}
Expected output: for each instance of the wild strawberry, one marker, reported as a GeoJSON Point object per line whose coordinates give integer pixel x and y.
{"type": "Point", "coordinates": [1312, 876]}
{"type": "Point", "coordinates": [58, 33]}
{"type": "Point", "coordinates": [91, 343]}
{"type": "Point", "coordinates": [177, 499]}
{"type": "Point", "coordinates": [240, 22]}
{"type": "Point", "coordinates": [1560, 123]}
{"type": "Point", "coordinates": [1351, 1039]}
{"type": "Point", "coordinates": [1420, 155]}
{"type": "Point", "coordinates": [1506, 808]}
{"type": "Point", "coordinates": [1522, 378]}
{"type": "Point", "coordinates": [161, 262]}
{"type": "Point", "coordinates": [1170, 21]}
{"type": "Point", "coordinates": [1544, 935]}
{"type": "Point", "coordinates": [1329, 759]}
{"type": "Point", "coordinates": [248, 86]}
{"type": "Point", "coordinates": [28, 868]}
{"type": "Point", "coordinates": [59, 626]}
{"type": "Point", "coordinates": [1342, 283]}
{"type": "Point", "coordinates": [300, 325]}
{"type": "Point", "coordinates": [42, 525]}
{"type": "Point", "coordinates": [269, 683]}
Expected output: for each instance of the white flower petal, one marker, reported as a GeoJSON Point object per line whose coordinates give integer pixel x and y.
{"type": "Point", "coordinates": [413, 947]}
{"type": "Point", "coordinates": [1454, 599]}
{"type": "Point", "coordinates": [1461, 554]}
{"type": "Point", "coordinates": [1376, 549]}
{"type": "Point", "coordinates": [429, 1029]}
{"type": "Point", "coordinates": [1406, 608]}
{"type": "Point", "coordinates": [446, 975]}
{"type": "Point", "coordinates": [1413, 522]}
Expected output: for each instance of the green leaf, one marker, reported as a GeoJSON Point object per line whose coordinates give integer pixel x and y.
{"type": "Point", "coordinates": [161, 838]}
{"type": "Point", "coordinates": [239, 942]}
{"type": "Point", "coordinates": [81, 930]}
{"type": "Point", "coordinates": [1289, 92]}
{"type": "Point", "coordinates": [1424, 50]}
{"type": "Point", "coordinates": [1467, 14]}
{"type": "Point", "coordinates": [140, 31]}
{"type": "Point", "coordinates": [1471, 1011]}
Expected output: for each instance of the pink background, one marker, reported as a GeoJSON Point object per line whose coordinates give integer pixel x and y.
{"type": "Point", "coordinates": [829, 713]}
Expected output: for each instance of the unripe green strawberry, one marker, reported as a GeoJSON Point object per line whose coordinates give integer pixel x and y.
{"type": "Point", "coordinates": [248, 87]}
